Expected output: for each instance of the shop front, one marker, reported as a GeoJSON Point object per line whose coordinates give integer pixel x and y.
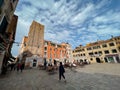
{"type": "Point", "coordinates": [112, 58]}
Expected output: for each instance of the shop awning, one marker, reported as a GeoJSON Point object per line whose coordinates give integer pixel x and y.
{"type": "Point", "coordinates": [57, 60]}
{"type": "Point", "coordinates": [110, 55]}
{"type": "Point", "coordinates": [9, 62]}
{"type": "Point", "coordinates": [12, 59]}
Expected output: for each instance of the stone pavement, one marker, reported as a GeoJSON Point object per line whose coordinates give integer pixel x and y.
{"type": "Point", "coordinates": [90, 77]}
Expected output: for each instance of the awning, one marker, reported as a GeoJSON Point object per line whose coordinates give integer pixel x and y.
{"type": "Point", "coordinates": [57, 59]}
{"type": "Point", "coordinates": [110, 55]}
{"type": "Point", "coordinates": [9, 62]}
{"type": "Point", "coordinates": [12, 59]}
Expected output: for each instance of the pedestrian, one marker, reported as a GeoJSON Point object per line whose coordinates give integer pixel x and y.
{"type": "Point", "coordinates": [12, 66]}
{"type": "Point", "coordinates": [18, 67]}
{"type": "Point", "coordinates": [45, 64]}
{"type": "Point", "coordinates": [22, 67]}
{"type": "Point", "coordinates": [61, 71]}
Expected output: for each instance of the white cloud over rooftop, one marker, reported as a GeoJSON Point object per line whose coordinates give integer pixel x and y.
{"type": "Point", "coordinates": [73, 21]}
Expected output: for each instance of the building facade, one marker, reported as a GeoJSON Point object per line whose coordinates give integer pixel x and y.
{"type": "Point", "coordinates": [100, 51]}
{"type": "Point", "coordinates": [69, 56]}
{"type": "Point", "coordinates": [58, 52]}
{"type": "Point", "coordinates": [35, 41]}
{"type": "Point", "coordinates": [32, 50]}
{"type": "Point", "coordinates": [8, 23]}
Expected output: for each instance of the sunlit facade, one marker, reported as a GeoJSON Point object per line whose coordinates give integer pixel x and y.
{"type": "Point", "coordinates": [31, 51]}
{"type": "Point", "coordinates": [100, 51]}
{"type": "Point", "coordinates": [58, 52]}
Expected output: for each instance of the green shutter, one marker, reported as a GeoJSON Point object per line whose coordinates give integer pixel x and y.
{"type": "Point", "coordinates": [1, 2]}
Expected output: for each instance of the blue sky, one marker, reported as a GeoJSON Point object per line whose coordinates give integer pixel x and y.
{"type": "Point", "coordinates": [73, 21]}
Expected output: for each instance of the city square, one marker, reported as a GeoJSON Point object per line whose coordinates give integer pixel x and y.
{"type": "Point", "coordinates": [39, 38]}
{"type": "Point", "coordinates": [90, 77]}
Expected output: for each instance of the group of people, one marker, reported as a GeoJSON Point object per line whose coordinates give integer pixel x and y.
{"type": "Point", "coordinates": [18, 66]}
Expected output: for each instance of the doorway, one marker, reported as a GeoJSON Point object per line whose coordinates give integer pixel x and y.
{"type": "Point", "coordinates": [105, 59]}
{"type": "Point", "coordinates": [3, 25]}
{"type": "Point", "coordinates": [117, 58]}
{"type": "Point", "coordinates": [111, 59]}
{"type": "Point", "coordinates": [34, 63]}
{"type": "Point", "coordinates": [98, 60]}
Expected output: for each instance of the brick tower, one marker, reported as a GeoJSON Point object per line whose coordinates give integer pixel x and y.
{"type": "Point", "coordinates": [35, 42]}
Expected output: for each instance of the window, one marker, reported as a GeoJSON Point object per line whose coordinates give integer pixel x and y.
{"type": "Point", "coordinates": [104, 45]}
{"type": "Point", "coordinates": [91, 53]}
{"type": "Point", "coordinates": [106, 52]}
{"type": "Point", "coordinates": [119, 49]}
{"type": "Point", "coordinates": [96, 47]}
{"type": "Point", "coordinates": [114, 51]}
{"type": "Point", "coordinates": [52, 44]}
{"type": "Point", "coordinates": [59, 46]}
{"type": "Point", "coordinates": [111, 44]}
{"type": "Point", "coordinates": [46, 43]}
{"type": "Point", "coordinates": [100, 52]}
{"type": "Point", "coordinates": [45, 53]}
{"type": "Point", "coordinates": [91, 59]}
{"type": "Point", "coordinates": [12, 0]}
{"type": "Point", "coordinates": [1, 2]}
{"type": "Point", "coordinates": [89, 48]}
{"type": "Point", "coordinates": [3, 25]}
{"type": "Point", "coordinates": [45, 48]}
{"type": "Point", "coordinates": [83, 49]}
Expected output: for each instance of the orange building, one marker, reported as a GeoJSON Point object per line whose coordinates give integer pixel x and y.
{"type": "Point", "coordinates": [34, 49]}
{"type": "Point", "coordinates": [54, 51]}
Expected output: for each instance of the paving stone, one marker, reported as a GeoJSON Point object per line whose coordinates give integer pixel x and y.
{"type": "Point", "coordinates": [78, 79]}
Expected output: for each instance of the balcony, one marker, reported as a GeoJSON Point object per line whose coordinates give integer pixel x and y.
{"type": "Point", "coordinates": [45, 50]}
{"type": "Point", "coordinates": [45, 56]}
{"type": "Point", "coordinates": [45, 45]}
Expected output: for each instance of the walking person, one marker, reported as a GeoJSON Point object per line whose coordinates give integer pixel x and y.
{"type": "Point", "coordinates": [22, 66]}
{"type": "Point", "coordinates": [61, 71]}
{"type": "Point", "coordinates": [45, 63]}
{"type": "Point", "coordinates": [15, 66]}
{"type": "Point", "coordinates": [12, 66]}
{"type": "Point", "coordinates": [18, 67]}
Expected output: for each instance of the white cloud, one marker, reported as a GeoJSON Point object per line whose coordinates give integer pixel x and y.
{"type": "Point", "coordinates": [75, 22]}
{"type": "Point", "coordinates": [110, 16]}
{"type": "Point", "coordinates": [82, 15]}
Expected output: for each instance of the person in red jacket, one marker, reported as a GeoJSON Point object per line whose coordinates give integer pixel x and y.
{"type": "Point", "coordinates": [18, 66]}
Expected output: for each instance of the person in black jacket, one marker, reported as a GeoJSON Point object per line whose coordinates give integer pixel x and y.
{"type": "Point", "coordinates": [61, 71]}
